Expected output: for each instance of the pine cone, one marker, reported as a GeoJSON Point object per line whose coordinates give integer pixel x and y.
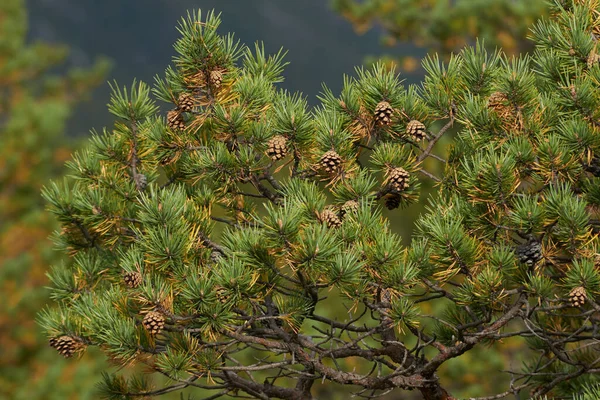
{"type": "Point", "coordinates": [386, 297]}
{"type": "Point", "coordinates": [497, 101]}
{"type": "Point", "coordinates": [577, 296]}
{"type": "Point", "coordinates": [141, 181]}
{"type": "Point", "coordinates": [330, 217]}
{"type": "Point", "coordinates": [276, 147]}
{"type": "Point", "coordinates": [392, 201]}
{"type": "Point", "coordinates": [196, 80]}
{"type": "Point", "coordinates": [593, 59]}
{"type": "Point", "coordinates": [216, 78]}
{"type": "Point", "coordinates": [175, 120]}
{"type": "Point", "coordinates": [383, 113]}
{"type": "Point", "coordinates": [132, 279]}
{"type": "Point", "coordinates": [593, 167]}
{"type": "Point", "coordinates": [222, 296]}
{"type": "Point", "coordinates": [530, 253]}
{"type": "Point", "coordinates": [154, 322]}
{"type": "Point", "coordinates": [66, 345]}
{"type": "Point", "coordinates": [330, 161]}
{"type": "Point", "coordinates": [215, 256]}
{"type": "Point", "coordinates": [398, 179]}
{"type": "Point", "coordinates": [416, 130]}
{"type": "Point", "coordinates": [351, 206]}
{"type": "Point", "coordinates": [185, 103]}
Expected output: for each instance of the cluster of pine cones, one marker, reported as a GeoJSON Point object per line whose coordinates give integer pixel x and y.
{"type": "Point", "coordinates": [333, 216]}
{"type": "Point", "coordinates": [331, 162]}
{"type": "Point", "coordinates": [186, 101]}
{"type": "Point", "coordinates": [397, 181]}
{"type": "Point", "coordinates": [384, 113]}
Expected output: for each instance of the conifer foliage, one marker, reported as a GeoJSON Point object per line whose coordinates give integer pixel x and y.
{"type": "Point", "coordinates": [209, 240]}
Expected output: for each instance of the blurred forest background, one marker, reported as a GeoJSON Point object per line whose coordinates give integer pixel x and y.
{"type": "Point", "coordinates": [55, 59]}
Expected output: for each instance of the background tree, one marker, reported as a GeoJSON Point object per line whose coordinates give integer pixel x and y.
{"type": "Point", "coordinates": [209, 243]}
{"type": "Point", "coordinates": [34, 108]}
{"type": "Point", "coordinates": [446, 26]}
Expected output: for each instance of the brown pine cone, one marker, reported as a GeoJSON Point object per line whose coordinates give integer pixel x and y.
{"type": "Point", "coordinates": [222, 295]}
{"type": "Point", "coordinates": [330, 217]}
{"type": "Point", "coordinates": [154, 322]}
{"type": "Point", "coordinates": [577, 296]}
{"type": "Point", "coordinates": [216, 78]}
{"type": "Point", "coordinates": [185, 102]}
{"type": "Point", "coordinates": [132, 279]}
{"type": "Point", "coordinates": [383, 113]}
{"type": "Point", "coordinates": [593, 59]}
{"type": "Point", "coordinates": [416, 130]}
{"type": "Point", "coordinates": [175, 120]}
{"type": "Point", "coordinates": [398, 179]}
{"type": "Point", "coordinates": [66, 345]}
{"type": "Point", "coordinates": [330, 161]}
{"type": "Point", "coordinates": [497, 101]}
{"type": "Point", "coordinates": [351, 206]}
{"type": "Point", "coordinates": [277, 147]}
{"type": "Point", "coordinates": [386, 297]}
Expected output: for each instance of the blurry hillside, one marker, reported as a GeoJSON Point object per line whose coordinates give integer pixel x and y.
{"type": "Point", "coordinates": [34, 108]}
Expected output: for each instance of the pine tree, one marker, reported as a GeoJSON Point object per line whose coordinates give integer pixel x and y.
{"type": "Point", "coordinates": [35, 104]}
{"type": "Point", "coordinates": [240, 254]}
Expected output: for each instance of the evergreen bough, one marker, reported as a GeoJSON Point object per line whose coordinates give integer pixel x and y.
{"type": "Point", "coordinates": [239, 258]}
